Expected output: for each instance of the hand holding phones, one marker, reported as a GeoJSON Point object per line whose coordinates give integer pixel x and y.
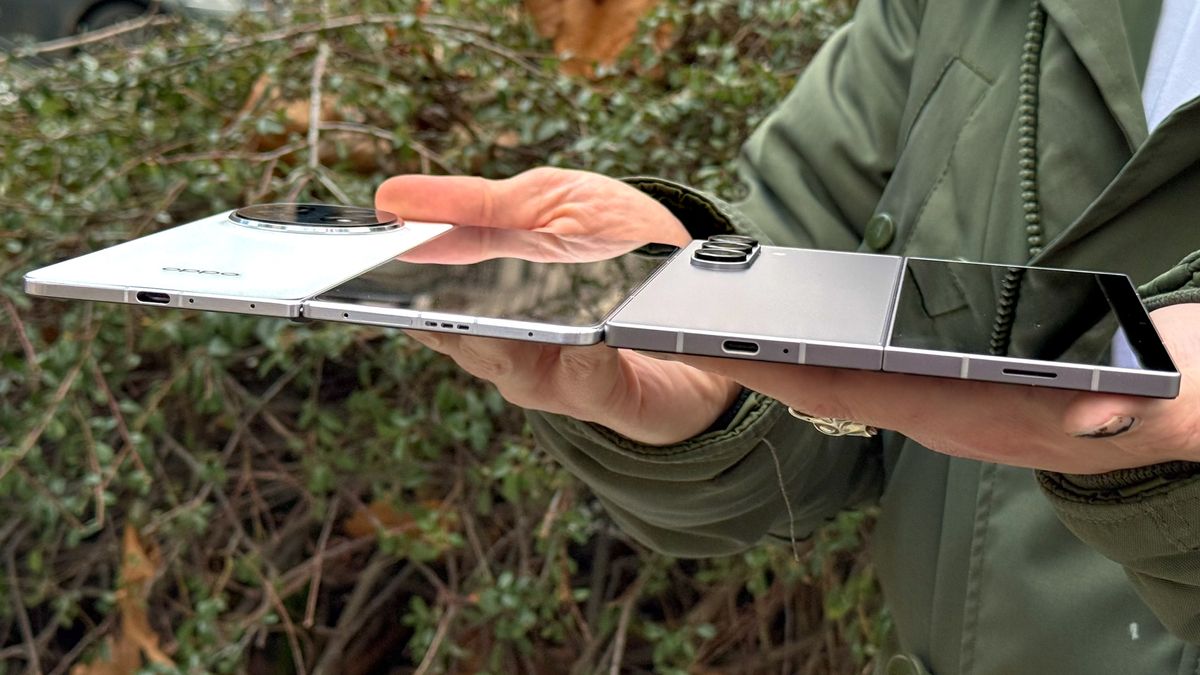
{"type": "Point", "coordinates": [728, 296]}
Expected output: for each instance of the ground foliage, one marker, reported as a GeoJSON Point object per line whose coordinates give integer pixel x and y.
{"type": "Point", "coordinates": [217, 493]}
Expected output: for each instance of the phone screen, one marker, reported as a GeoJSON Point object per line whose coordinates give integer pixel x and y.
{"type": "Point", "coordinates": [513, 275]}
{"type": "Point", "coordinates": [952, 307]}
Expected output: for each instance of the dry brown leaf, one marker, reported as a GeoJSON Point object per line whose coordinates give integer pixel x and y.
{"type": "Point", "coordinates": [586, 32]}
{"type": "Point", "coordinates": [295, 120]}
{"type": "Point", "coordinates": [136, 639]}
{"type": "Point", "coordinates": [365, 153]}
{"type": "Point", "coordinates": [363, 522]}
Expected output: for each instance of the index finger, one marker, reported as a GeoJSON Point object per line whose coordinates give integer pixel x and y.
{"type": "Point", "coordinates": [466, 245]}
{"type": "Point", "coordinates": [460, 200]}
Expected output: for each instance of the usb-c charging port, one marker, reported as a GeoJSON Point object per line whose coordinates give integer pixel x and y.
{"type": "Point", "coordinates": [739, 347]}
{"type": "Point", "coordinates": [153, 298]}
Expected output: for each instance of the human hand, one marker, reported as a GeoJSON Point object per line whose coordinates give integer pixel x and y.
{"type": "Point", "coordinates": [1054, 429]}
{"type": "Point", "coordinates": [558, 201]}
{"type": "Point", "coordinates": [642, 398]}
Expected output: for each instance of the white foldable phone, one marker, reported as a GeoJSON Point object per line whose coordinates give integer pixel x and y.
{"type": "Point", "coordinates": [727, 296]}
{"type": "Point", "coordinates": [266, 259]}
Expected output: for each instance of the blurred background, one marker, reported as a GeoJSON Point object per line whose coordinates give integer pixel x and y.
{"type": "Point", "coordinates": [189, 492]}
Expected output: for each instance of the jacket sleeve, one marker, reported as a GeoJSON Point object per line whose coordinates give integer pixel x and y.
{"type": "Point", "coordinates": [1147, 519]}
{"type": "Point", "coordinates": [814, 170]}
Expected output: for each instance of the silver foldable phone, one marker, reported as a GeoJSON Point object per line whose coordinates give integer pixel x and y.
{"type": "Point", "coordinates": [727, 296]}
{"type": "Point", "coordinates": [902, 315]}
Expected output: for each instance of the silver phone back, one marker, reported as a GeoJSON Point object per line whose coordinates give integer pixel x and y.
{"type": "Point", "coordinates": [789, 305]}
{"type": "Point", "coordinates": [218, 265]}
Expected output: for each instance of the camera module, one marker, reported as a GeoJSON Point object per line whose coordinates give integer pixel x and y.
{"type": "Point", "coordinates": [316, 218]}
{"type": "Point", "coordinates": [726, 252]}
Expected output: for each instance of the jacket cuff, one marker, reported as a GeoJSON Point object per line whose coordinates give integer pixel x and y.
{"type": "Point", "coordinates": [1154, 534]}
{"type": "Point", "coordinates": [702, 214]}
{"type": "Point", "coordinates": [700, 497]}
{"type": "Point", "coordinates": [1126, 486]}
{"type": "Point", "coordinates": [697, 458]}
{"type": "Point", "coordinates": [1179, 284]}
{"type": "Point", "coordinates": [1164, 525]}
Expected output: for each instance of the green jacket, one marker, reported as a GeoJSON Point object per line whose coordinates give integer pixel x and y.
{"type": "Point", "coordinates": [902, 137]}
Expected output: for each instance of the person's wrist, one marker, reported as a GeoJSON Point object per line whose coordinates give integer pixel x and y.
{"type": "Point", "coordinates": [662, 419]}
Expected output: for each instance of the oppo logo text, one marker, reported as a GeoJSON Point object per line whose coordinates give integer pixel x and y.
{"type": "Point", "coordinates": [190, 270]}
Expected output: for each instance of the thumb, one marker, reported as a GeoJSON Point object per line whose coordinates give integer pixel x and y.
{"type": "Point", "coordinates": [459, 200]}
{"type": "Point", "coordinates": [1169, 421]}
{"type": "Point", "coordinates": [1105, 415]}
{"type": "Point", "coordinates": [467, 245]}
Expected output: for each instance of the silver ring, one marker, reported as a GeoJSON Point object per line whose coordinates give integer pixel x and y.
{"type": "Point", "coordinates": [831, 426]}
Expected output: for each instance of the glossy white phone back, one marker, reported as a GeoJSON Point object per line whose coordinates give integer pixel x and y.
{"type": "Point", "coordinates": [216, 264]}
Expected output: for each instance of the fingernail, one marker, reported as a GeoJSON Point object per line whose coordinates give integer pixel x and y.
{"type": "Point", "coordinates": [1116, 425]}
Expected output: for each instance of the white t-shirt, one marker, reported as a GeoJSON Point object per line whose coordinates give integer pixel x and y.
{"type": "Point", "coordinates": [1173, 74]}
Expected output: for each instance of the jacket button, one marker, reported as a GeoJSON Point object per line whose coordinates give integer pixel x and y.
{"type": "Point", "coordinates": [881, 230]}
{"type": "Point", "coordinates": [905, 664]}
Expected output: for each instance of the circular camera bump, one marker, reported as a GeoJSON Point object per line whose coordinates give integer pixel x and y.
{"type": "Point", "coordinates": [315, 218]}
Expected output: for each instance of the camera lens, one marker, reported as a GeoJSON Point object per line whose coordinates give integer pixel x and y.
{"type": "Point", "coordinates": [316, 218]}
{"type": "Point", "coordinates": [734, 239]}
{"type": "Point", "coordinates": [726, 252]}
{"type": "Point", "coordinates": [727, 246]}
{"type": "Point", "coordinates": [719, 255]}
